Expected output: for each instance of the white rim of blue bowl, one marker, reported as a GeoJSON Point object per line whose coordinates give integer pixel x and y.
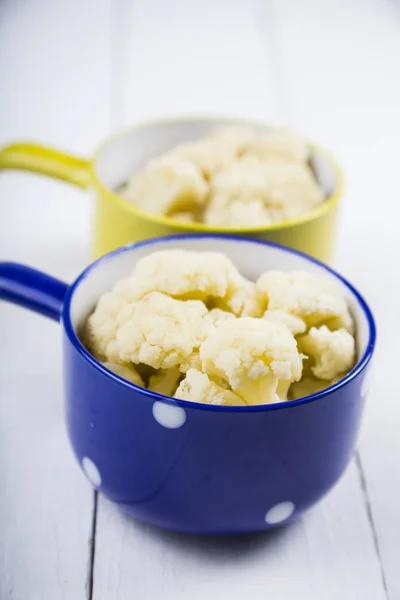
{"type": "Point", "coordinates": [153, 396]}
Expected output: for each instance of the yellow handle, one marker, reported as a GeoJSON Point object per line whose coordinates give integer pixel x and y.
{"type": "Point", "coordinates": [39, 159]}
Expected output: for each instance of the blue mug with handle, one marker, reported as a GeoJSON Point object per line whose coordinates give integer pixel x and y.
{"type": "Point", "coordinates": [194, 467]}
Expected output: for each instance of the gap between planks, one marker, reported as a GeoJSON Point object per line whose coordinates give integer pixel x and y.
{"type": "Point", "coordinates": [368, 510]}
{"type": "Point", "coordinates": [92, 548]}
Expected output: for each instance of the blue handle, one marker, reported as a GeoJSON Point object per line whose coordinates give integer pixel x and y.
{"type": "Point", "coordinates": [32, 289]}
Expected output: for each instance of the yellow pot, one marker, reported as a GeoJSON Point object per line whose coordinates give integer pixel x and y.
{"type": "Point", "coordinates": [118, 222]}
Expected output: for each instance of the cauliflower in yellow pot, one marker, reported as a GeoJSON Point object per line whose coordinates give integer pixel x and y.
{"type": "Point", "coordinates": [233, 177]}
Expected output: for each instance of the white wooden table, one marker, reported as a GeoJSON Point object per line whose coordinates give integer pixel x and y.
{"type": "Point", "coordinates": [72, 71]}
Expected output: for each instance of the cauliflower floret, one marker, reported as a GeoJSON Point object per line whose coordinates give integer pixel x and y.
{"type": "Point", "coordinates": [159, 331]}
{"type": "Point", "coordinates": [192, 362]}
{"type": "Point", "coordinates": [181, 274]}
{"type": "Point", "coordinates": [235, 135]}
{"type": "Point", "coordinates": [332, 351]}
{"type": "Point", "coordinates": [127, 372]}
{"type": "Point", "coordinates": [100, 326]}
{"type": "Point", "coordinates": [313, 298]}
{"type": "Point", "coordinates": [288, 188]}
{"type": "Point", "coordinates": [167, 185]}
{"type": "Point", "coordinates": [308, 386]}
{"type": "Point", "coordinates": [263, 178]}
{"type": "Point", "coordinates": [165, 381]}
{"type": "Point", "coordinates": [292, 188]}
{"type": "Point", "coordinates": [279, 145]}
{"type": "Point", "coordinates": [198, 387]}
{"type": "Point", "coordinates": [243, 180]}
{"type": "Point", "coordinates": [217, 315]}
{"type": "Point", "coordinates": [184, 274]}
{"type": "Point", "coordinates": [253, 355]}
{"type": "Point", "coordinates": [295, 324]}
{"type": "Point", "coordinates": [237, 213]}
{"type": "Point", "coordinates": [243, 298]}
{"type": "Point", "coordinates": [157, 319]}
{"type": "Point", "coordinates": [208, 155]}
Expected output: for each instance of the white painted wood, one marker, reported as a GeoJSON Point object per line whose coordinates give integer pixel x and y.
{"type": "Point", "coordinates": [69, 72]}
{"type": "Point", "coordinates": [327, 555]}
{"type": "Point", "coordinates": [193, 58]}
{"type": "Point", "coordinates": [54, 74]}
{"type": "Point", "coordinates": [347, 94]}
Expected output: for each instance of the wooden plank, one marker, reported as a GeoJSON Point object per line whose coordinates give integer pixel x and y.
{"type": "Point", "coordinates": [179, 59]}
{"type": "Point", "coordinates": [338, 68]}
{"type": "Point", "coordinates": [192, 57]}
{"type": "Point", "coordinates": [327, 555]}
{"type": "Point", "coordinates": [54, 73]}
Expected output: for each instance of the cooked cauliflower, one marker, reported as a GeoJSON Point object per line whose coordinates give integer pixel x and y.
{"type": "Point", "coordinates": [288, 188]}
{"type": "Point", "coordinates": [191, 362]}
{"type": "Point", "coordinates": [189, 324]}
{"type": "Point", "coordinates": [100, 326]}
{"type": "Point", "coordinates": [237, 213]}
{"type": "Point", "coordinates": [253, 355]}
{"type": "Point", "coordinates": [208, 155]}
{"type": "Point", "coordinates": [159, 331]}
{"type": "Point", "coordinates": [165, 381]}
{"type": "Point", "coordinates": [184, 274]}
{"type": "Point", "coordinates": [181, 274]}
{"type": "Point", "coordinates": [244, 179]}
{"type": "Point", "coordinates": [295, 324]}
{"type": "Point", "coordinates": [292, 189]}
{"type": "Point", "coordinates": [217, 150]}
{"type": "Point", "coordinates": [198, 387]}
{"type": "Point", "coordinates": [217, 315]}
{"type": "Point", "coordinates": [279, 145]}
{"type": "Point", "coordinates": [243, 298]}
{"type": "Point", "coordinates": [333, 352]}
{"type": "Point", "coordinates": [127, 372]}
{"type": "Point", "coordinates": [237, 136]}
{"type": "Point", "coordinates": [232, 177]}
{"type": "Point", "coordinates": [315, 299]}
{"type": "Point", "coordinates": [167, 185]}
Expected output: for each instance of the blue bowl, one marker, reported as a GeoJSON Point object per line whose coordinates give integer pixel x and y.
{"type": "Point", "coordinates": [193, 467]}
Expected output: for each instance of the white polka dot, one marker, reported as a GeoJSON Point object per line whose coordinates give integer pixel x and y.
{"type": "Point", "coordinates": [168, 415]}
{"type": "Point", "coordinates": [280, 512]}
{"type": "Point", "coordinates": [91, 471]}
